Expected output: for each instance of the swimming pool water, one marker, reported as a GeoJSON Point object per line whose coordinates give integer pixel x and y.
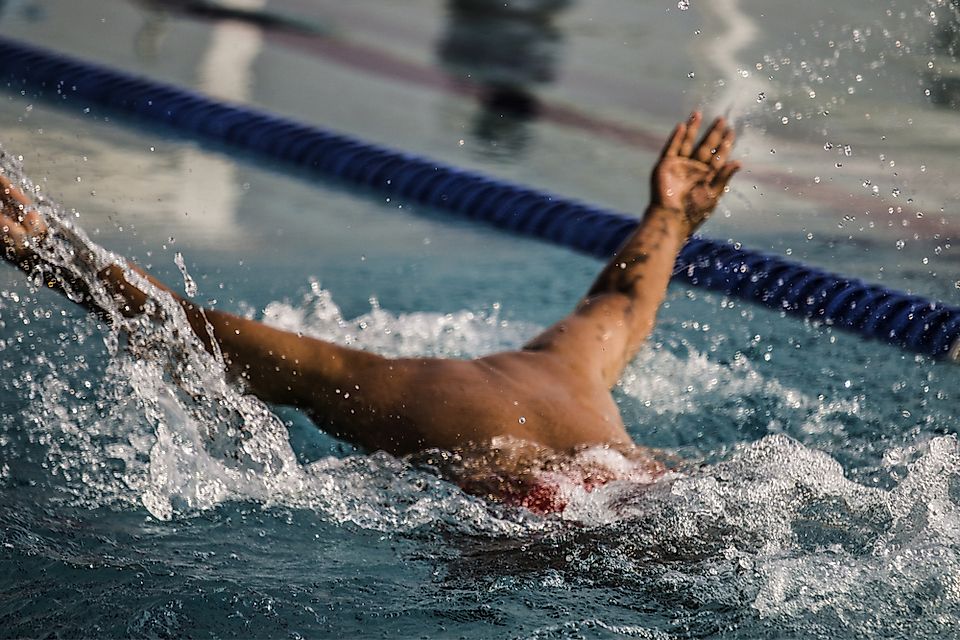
{"type": "Point", "coordinates": [818, 497]}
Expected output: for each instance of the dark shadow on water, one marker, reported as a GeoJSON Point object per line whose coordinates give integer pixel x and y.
{"type": "Point", "coordinates": [944, 78]}
{"type": "Point", "coordinates": [606, 569]}
{"type": "Point", "coordinates": [31, 11]}
{"type": "Point", "coordinates": [507, 49]}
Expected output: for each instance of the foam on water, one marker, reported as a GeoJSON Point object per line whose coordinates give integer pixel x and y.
{"type": "Point", "coordinates": [779, 534]}
{"type": "Point", "coordinates": [690, 383]}
{"type": "Point", "coordinates": [460, 334]}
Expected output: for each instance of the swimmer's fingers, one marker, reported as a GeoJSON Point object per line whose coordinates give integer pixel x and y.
{"type": "Point", "coordinates": [22, 227]}
{"type": "Point", "coordinates": [710, 145]}
{"type": "Point", "coordinates": [17, 210]}
{"type": "Point", "coordinates": [34, 225]}
{"type": "Point", "coordinates": [20, 233]}
{"type": "Point", "coordinates": [12, 197]}
{"type": "Point", "coordinates": [28, 222]}
{"type": "Point", "coordinates": [724, 149]}
{"type": "Point", "coordinates": [14, 238]}
{"type": "Point", "coordinates": [690, 137]}
{"type": "Point", "coordinates": [675, 141]}
{"type": "Point", "coordinates": [723, 176]}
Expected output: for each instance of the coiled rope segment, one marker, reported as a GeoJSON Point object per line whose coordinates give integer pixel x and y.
{"type": "Point", "coordinates": [910, 321]}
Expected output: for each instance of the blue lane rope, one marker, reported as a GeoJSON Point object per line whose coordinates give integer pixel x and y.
{"type": "Point", "coordinates": [910, 321]}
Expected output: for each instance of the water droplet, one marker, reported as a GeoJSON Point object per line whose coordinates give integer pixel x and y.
{"type": "Point", "coordinates": [522, 420]}
{"type": "Point", "coordinates": [189, 284]}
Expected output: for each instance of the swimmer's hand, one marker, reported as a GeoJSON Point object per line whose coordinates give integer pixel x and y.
{"type": "Point", "coordinates": [23, 229]}
{"type": "Point", "coordinates": [21, 226]}
{"type": "Point", "coordinates": [690, 177]}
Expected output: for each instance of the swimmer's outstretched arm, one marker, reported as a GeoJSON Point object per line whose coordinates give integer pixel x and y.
{"type": "Point", "coordinates": [617, 315]}
{"type": "Point", "coordinates": [277, 366]}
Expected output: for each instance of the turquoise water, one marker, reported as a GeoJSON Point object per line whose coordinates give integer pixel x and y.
{"type": "Point", "coordinates": [818, 495]}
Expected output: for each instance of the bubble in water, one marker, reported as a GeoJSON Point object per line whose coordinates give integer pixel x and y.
{"type": "Point", "coordinates": [683, 5]}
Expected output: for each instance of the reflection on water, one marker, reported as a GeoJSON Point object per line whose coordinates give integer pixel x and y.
{"type": "Point", "coordinates": [943, 73]}
{"type": "Point", "coordinates": [207, 186]}
{"type": "Point", "coordinates": [507, 48]}
{"type": "Point", "coordinates": [26, 8]}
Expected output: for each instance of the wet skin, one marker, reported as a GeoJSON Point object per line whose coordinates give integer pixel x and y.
{"type": "Point", "coordinates": [554, 392]}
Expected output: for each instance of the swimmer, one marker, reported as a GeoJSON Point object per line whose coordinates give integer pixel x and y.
{"type": "Point", "coordinates": [552, 395]}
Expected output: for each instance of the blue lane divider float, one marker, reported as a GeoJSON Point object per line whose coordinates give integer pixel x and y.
{"type": "Point", "coordinates": [910, 321]}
